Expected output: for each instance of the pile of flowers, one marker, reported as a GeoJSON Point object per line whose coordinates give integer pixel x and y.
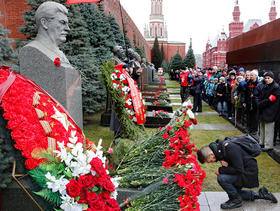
{"type": "Point", "coordinates": [57, 154]}
{"type": "Point", "coordinates": [77, 178]}
{"type": "Point", "coordinates": [160, 113]}
{"type": "Point", "coordinates": [120, 83]}
{"type": "Point", "coordinates": [161, 102]}
{"type": "Point", "coordinates": [166, 168]}
{"type": "Point", "coordinates": [179, 155]}
{"type": "Point", "coordinates": [161, 95]}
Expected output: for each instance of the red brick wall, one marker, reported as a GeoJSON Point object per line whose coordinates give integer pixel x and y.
{"type": "Point", "coordinates": [12, 11]}
{"type": "Point", "coordinates": [113, 7]}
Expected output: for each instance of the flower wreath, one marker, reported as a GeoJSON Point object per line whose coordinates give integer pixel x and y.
{"type": "Point", "coordinates": [71, 172]}
{"type": "Point", "coordinates": [120, 83]}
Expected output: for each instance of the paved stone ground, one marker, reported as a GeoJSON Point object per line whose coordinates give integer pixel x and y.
{"type": "Point", "coordinates": [210, 201]}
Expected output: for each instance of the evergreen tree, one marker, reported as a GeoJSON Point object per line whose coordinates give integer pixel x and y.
{"type": "Point", "coordinates": [189, 60]}
{"type": "Point", "coordinates": [7, 55]}
{"type": "Point", "coordinates": [156, 55]}
{"type": "Point", "coordinates": [176, 62]}
{"type": "Point", "coordinates": [162, 54]}
{"type": "Point", "coordinates": [140, 52]}
{"type": "Point", "coordinates": [116, 30]}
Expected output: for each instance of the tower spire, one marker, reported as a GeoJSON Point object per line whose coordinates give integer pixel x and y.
{"type": "Point", "coordinates": [236, 12]}
{"type": "Point", "coordinates": [272, 12]}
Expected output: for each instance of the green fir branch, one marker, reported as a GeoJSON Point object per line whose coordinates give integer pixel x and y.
{"type": "Point", "coordinates": [53, 197]}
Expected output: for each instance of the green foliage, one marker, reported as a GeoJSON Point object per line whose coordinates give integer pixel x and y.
{"type": "Point", "coordinates": [162, 54]}
{"type": "Point", "coordinates": [7, 55]}
{"type": "Point", "coordinates": [140, 51]}
{"type": "Point", "coordinates": [189, 60]}
{"type": "Point", "coordinates": [6, 153]}
{"type": "Point", "coordinates": [38, 175]}
{"type": "Point", "coordinates": [156, 54]}
{"type": "Point", "coordinates": [129, 129]}
{"type": "Point", "coordinates": [50, 196]}
{"type": "Point", "coordinates": [176, 62]}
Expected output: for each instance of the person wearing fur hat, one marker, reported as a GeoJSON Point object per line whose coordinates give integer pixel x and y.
{"type": "Point", "coordinates": [268, 99]}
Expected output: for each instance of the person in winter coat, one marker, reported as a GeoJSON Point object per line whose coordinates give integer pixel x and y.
{"type": "Point", "coordinates": [267, 98]}
{"type": "Point", "coordinates": [197, 90]}
{"type": "Point", "coordinates": [230, 83]}
{"type": "Point", "coordinates": [184, 91]}
{"type": "Point", "coordinates": [210, 91]}
{"type": "Point", "coordinates": [221, 97]}
{"type": "Point", "coordinates": [248, 100]}
{"type": "Point", "coordinates": [238, 170]}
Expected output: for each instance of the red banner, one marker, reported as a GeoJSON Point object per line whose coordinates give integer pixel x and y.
{"type": "Point", "coordinates": [136, 100]}
{"type": "Point", "coordinates": [81, 1]}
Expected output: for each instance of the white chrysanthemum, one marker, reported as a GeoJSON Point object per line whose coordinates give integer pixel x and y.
{"type": "Point", "coordinates": [56, 185]}
{"type": "Point", "coordinates": [115, 86]}
{"type": "Point", "coordinates": [125, 89]}
{"type": "Point", "coordinates": [129, 102]}
{"type": "Point", "coordinates": [122, 77]}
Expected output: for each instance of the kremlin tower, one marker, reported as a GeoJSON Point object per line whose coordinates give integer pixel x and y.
{"type": "Point", "coordinates": [235, 27]}
{"type": "Point", "coordinates": [272, 13]}
{"type": "Point", "coordinates": [157, 29]}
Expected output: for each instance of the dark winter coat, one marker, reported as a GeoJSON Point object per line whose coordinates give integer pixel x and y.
{"type": "Point", "coordinates": [197, 80]}
{"type": "Point", "coordinates": [249, 89]}
{"type": "Point", "coordinates": [239, 163]}
{"type": "Point", "coordinates": [267, 110]}
{"type": "Point", "coordinates": [221, 89]}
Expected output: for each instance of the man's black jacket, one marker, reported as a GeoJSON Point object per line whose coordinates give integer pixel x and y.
{"type": "Point", "coordinates": [239, 163]}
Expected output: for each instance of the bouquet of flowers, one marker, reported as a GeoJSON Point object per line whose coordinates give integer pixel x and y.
{"type": "Point", "coordinates": [161, 102]}
{"type": "Point", "coordinates": [161, 113]}
{"type": "Point", "coordinates": [167, 170]}
{"type": "Point", "coordinates": [57, 154]}
{"type": "Point", "coordinates": [76, 178]}
{"type": "Point", "coordinates": [121, 84]}
{"type": "Point", "coordinates": [161, 95]}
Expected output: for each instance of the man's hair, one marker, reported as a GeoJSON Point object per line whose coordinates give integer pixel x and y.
{"type": "Point", "coordinates": [255, 72]}
{"type": "Point", "coordinates": [48, 10]}
{"type": "Point", "coordinates": [203, 154]}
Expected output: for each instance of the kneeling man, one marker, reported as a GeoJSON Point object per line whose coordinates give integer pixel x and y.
{"type": "Point", "coordinates": [238, 170]}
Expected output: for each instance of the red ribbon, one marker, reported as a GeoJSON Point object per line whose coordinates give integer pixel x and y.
{"type": "Point", "coordinates": [137, 102]}
{"type": "Point", "coordinates": [81, 1]}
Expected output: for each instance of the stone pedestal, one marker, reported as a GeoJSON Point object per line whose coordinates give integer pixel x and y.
{"type": "Point", "coordinates": [61, 82]}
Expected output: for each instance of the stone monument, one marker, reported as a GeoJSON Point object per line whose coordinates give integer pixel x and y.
{"type": "Point", "coordinates": [43, 62]}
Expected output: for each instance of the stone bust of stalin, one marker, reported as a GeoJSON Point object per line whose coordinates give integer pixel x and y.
{"type": "Point", "coordinates": [52, 23]}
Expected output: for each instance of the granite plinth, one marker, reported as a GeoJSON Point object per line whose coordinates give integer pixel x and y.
{"type": "Point", "coordinates": [159, 107]}
{"type": "Point", "coordinates": [151, 99]}
{"type": "Point", "coordinates": [155, 122]}
{"type": "Point", "coordinates": [153, 89]}
{"type": "Point", "coordinates": [61, 82]}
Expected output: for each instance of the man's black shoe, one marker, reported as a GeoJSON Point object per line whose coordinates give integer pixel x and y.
{"type": "Point", "coordinates": [265, 194]}
{"type": "Point", "coordinates": [232, 203]}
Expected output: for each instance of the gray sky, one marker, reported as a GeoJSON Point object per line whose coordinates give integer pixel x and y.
{"type": "Point", "coordinates": [198, 19]}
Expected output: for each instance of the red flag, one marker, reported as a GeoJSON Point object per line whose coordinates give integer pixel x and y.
{"type": "Point", "coordinates": [81, 1]}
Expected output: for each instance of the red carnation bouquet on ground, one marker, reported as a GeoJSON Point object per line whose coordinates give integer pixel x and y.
{"type": "Point", "coordinates": [71, 172]}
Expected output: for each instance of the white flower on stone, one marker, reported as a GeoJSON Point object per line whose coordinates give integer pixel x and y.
{"type": "Point", "coordinates": [190, 114]}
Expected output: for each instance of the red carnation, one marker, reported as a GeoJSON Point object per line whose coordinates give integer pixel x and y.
{"type": "Point", "coordinates": [165, 136]}
{"type": "Point", "coordinates": [125, 81]}
{"type": "Point", "coordinates": [168, 128]}
{"type": "Point", "coordinates": [194, 121]}
{"type": "Point", "coordinates": [73, 188]}
{"type": "Point", "coordinates": [86, 181]}
{"type": "Point", "coordinates": [57, 61]}
{"type": "Point", "coordinates": [189, 106]}
{"type": "Point", "coordinates": [272, 98]}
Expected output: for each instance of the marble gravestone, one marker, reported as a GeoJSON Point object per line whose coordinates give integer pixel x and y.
{"type": "Point", "coordinates": [61, 82]}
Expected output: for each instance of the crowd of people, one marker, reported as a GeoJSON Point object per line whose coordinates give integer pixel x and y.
{"type": "Point", "coordinates": [249, 99]}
